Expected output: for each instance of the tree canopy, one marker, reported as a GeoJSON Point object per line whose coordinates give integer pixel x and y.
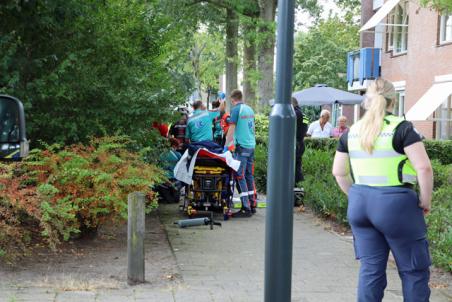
{"type": "Point", "coordinates": [320, 53]}
{"type": "Point", "coordinates": [84, 68]}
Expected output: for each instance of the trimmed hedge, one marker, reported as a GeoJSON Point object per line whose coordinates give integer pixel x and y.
{"type": "Point", "coordinates": [440, 150]}
{"type": "Point", "coordinates": [324, 196]}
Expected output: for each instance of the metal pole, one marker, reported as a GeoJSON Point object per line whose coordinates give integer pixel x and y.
{"type": "Point", "coordinates": [280, 180]}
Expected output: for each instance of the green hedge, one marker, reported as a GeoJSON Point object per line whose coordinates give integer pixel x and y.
{"type": "Point", "coordinates": [440, 150]}
{"type": "Point", "coordinates": [324, 196]}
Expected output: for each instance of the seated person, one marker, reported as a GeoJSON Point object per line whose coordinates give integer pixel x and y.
{"type": "Point", "coordinates": [199, 125]}
{"type": "Point", "coordinates": [321, 128]}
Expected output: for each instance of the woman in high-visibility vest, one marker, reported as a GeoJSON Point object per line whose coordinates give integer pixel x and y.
{"type": "Point", "coordinates": [376, 164]}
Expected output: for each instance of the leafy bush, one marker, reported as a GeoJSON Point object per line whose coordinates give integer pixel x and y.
{"type": "Point", "coordinates": [440, 219]}
{"type": "Point", "coordinates": [262, 125]}
{"type": "Point", "coordinates": [324, 196]}
{"type": "Point", "coordinates": [440, 150]}
{"type": "Point", "coordinates": [57, 193]}
{"type": "Point", "coordinates": [85, 68]}
{"type": "Point", "coordinates": [260, 168]}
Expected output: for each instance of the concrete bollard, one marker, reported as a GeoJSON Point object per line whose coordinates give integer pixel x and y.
{"type": "Point", "coordinates": [135, 238]}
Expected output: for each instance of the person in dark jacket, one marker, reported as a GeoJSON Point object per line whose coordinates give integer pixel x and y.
{"type": "Point", "coordinates": [301, 128]}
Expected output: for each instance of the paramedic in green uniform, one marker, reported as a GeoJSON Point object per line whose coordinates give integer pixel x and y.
{"type": "Point", "coordinates": [241, 139]}
{"type": "Point", "coordinates": [199, 125]}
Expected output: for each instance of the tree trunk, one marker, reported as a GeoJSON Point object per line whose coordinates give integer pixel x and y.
{"type": "Point", "coordinates": [249, 62]}
{"type": "Point", "coordinates": [266, 51]}
{"type": "Point", "coordinates": [232, 33]}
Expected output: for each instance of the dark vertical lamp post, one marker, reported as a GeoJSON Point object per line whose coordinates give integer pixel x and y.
{"type": "Point", "coordinates": [280, 180]}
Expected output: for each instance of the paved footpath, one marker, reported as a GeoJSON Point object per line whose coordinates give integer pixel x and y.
{"type": "Point", "coordinates": [227, 264]}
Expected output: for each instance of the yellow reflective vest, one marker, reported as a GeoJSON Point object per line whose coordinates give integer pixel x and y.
{"type": "Point", "coordinates": [385, 166]}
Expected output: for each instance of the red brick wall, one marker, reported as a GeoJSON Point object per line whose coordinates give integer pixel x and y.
{"type": "Point", "coordinates": [366, 39]}
{"type": "Point", "coordinates": [423, 61]}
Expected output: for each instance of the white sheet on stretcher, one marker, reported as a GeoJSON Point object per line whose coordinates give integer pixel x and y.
{"type": "Point", "coordinates": [182, 174]}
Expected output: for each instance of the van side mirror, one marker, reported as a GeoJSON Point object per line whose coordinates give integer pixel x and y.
{"type": "Point", "coordinates": [13, 139]}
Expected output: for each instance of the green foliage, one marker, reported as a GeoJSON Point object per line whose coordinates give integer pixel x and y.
{"type": "Point", "coordinates": [321, 53]}
{"type": "Point", "coordinates": [440, 219]}
{"type": "Point", "coordinates": [436, 150]}
{"type": "Point", "coordinates": [322, 193]}
{"type": "Point", "coordinates": [439, 5]}
{"type": "Point", "coordinates": [440, 150]}
{"type": "Point", "coordinates": [260, 167]}
{"type": "Point", "coordinates": [262, 124]}
{"type": "Point", "coordinates": [207, 59]}
{"type": "Point", "coordinates": [90, 69]}
{"type": "Point", "coordinates": [324, 196]}
{"type": "Point", "coordinates": [58, 193]}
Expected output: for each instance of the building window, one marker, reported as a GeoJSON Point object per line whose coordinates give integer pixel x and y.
{"type": "Point", "coordinates": [378, 39]}
{"type": "Point", "coordinates": [445, 31]}
{"type": "Point", "coordinates": [399, 106]}
{"type": "Point", "coordinates": [444, 120]}
{"type": "Point", "coordinates": [397, 38]}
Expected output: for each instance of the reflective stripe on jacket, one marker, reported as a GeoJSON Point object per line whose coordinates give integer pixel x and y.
{"type": "Point", "coordinates": [385, 166]}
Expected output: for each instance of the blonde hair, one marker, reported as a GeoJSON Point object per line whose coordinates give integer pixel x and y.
{"type": "Point", "coordinates": [380, 95]}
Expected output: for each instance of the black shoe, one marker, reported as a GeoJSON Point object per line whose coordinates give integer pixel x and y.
{"type": "Point", "coordinates": [253, 210]}
{"type": "Point", "coordinates": [242, 214]}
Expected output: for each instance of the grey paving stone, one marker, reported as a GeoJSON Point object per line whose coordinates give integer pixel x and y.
{"type": "Point", "coordinates": [76, 296]}
{"type": "Point", "coordinates": [155, 295]}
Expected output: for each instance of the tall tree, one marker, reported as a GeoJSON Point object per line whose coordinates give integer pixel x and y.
{"type": "Point", "coordinates": [207, 57]}
{"type": "Point", "coordinates": [266, 52]}
{"type": "Point", "coordinates": [232, 34]}
{"type": "Point", "coordinates": [249, 61]}
{"type": "Point", "coordinates": [320, 54]}
{"type": "Point", "coordinates": [85, 68]}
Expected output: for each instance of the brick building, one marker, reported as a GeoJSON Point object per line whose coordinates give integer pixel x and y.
{"type": "Point", "coordinates": [411, 46]}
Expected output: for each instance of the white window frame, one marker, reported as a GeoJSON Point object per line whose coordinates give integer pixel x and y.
{"type": "Point", "coordinates": [399, 106]}
{"type": "Point", "coordinates": [398, 28]}
{"type": "Point", "coordinates": [445, 29]}
{"type": "Point", "coordinates": [443, 116]}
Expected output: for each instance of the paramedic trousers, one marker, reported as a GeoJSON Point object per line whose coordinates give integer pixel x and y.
{"type": "Point", "coordinates": [244, 176]}
{"type": "Point", "coordinates": [383, 219]}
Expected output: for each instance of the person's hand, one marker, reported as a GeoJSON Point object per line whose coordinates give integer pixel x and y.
{"type": "Point", "coordinates": [425, 204]}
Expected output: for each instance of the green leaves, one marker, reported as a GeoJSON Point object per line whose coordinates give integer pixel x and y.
{"type": "Point", "coordinates": [320, 54]}
{"type": "Point", "coordinates": [89, 69]}
{"type": "Point", "coordinates": [54, 194]}
{"type": "Point", "coordinates": [439, 5]}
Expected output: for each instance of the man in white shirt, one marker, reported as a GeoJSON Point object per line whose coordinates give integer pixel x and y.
{"type": "Point", "coordinates": [321, 128]}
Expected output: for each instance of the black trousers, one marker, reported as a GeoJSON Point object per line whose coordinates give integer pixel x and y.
{"type": "Point", "coordinates": [299, 150]}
